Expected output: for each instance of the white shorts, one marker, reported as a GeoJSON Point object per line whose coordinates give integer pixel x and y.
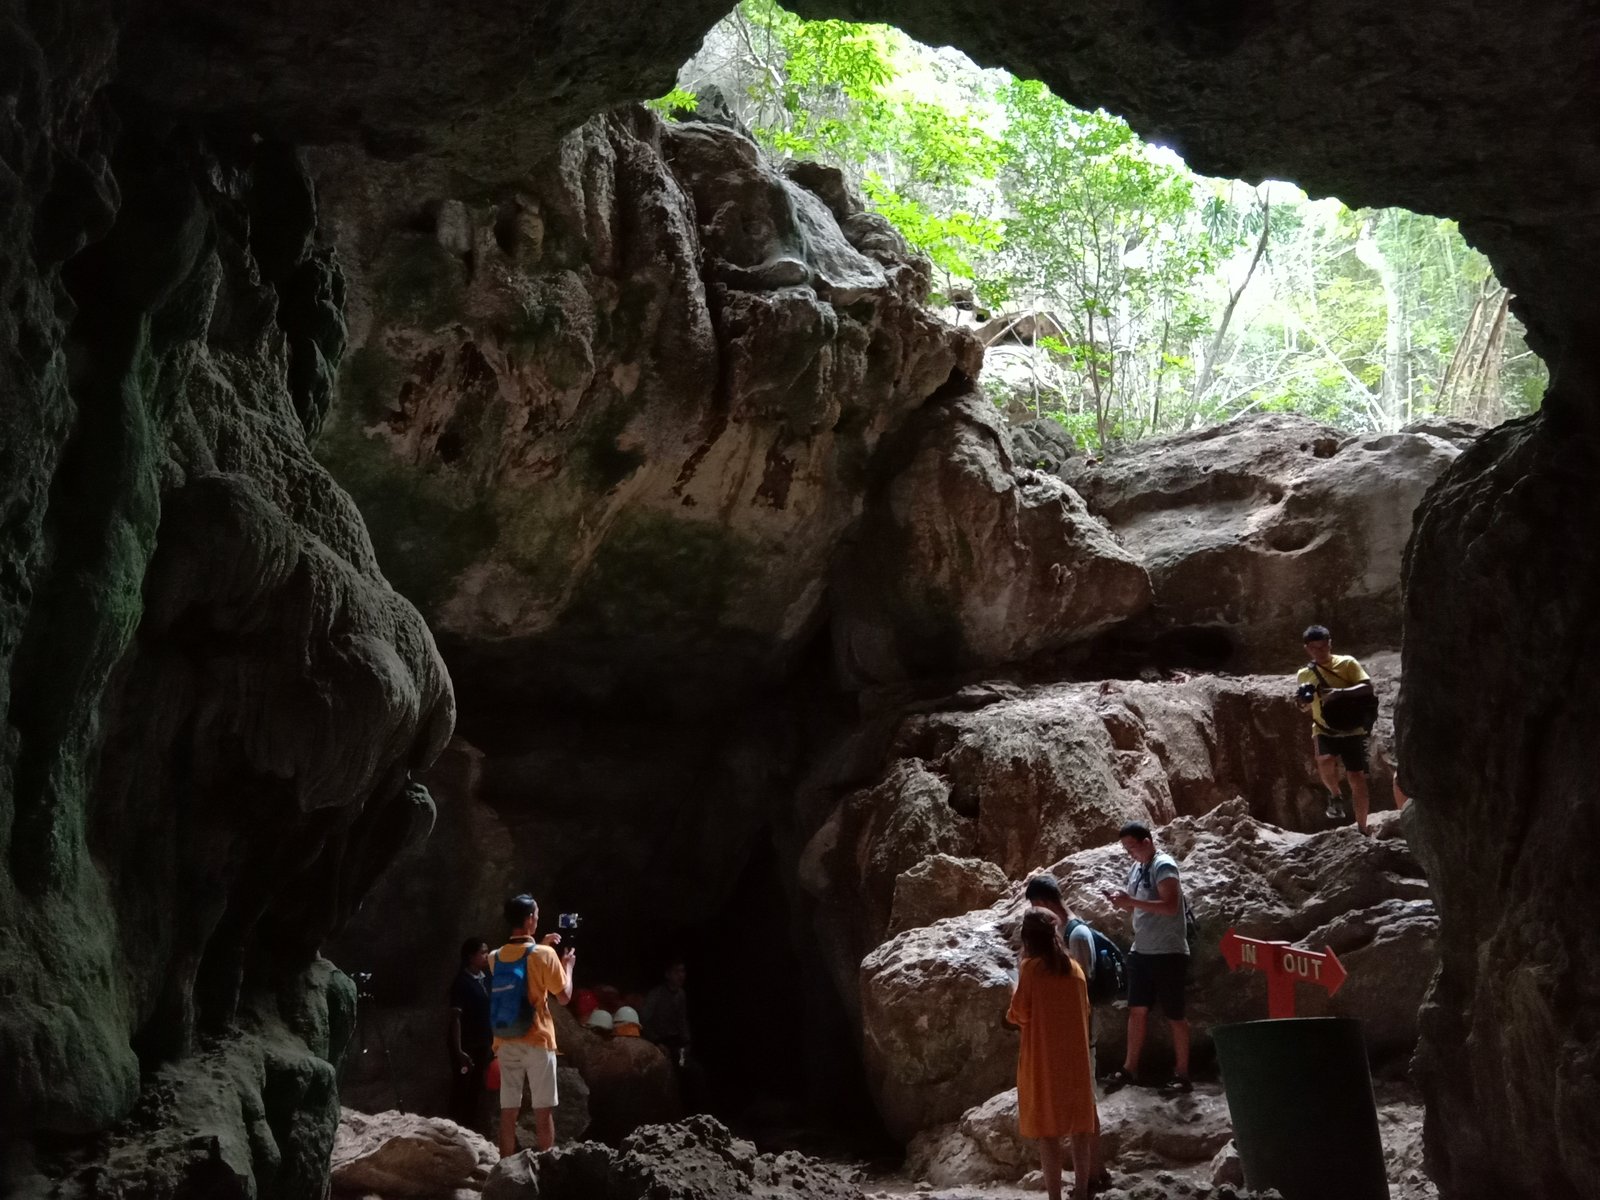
{"type": "Point", "coordinates": [521, 1061]}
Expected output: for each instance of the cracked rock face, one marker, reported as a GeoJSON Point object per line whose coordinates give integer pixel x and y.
{"type": "Point", "coordinates": [964, 561]}
{"type": "Point", "coordinates": [623, 410]}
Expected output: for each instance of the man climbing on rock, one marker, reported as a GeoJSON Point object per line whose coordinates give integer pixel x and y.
{"type": "Point", "coordinates": [526, 975]}
{"type": "Point", "coordinates": [1158, 964]}
{"type": "Point", "coordinates": [1326, 673]}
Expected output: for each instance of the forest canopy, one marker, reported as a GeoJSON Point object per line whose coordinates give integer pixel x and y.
{"type": "Point", "coordinates": [1125, 295]}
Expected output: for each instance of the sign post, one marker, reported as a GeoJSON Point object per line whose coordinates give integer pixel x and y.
{"type": "Point", "coordinates": [1284, 966]}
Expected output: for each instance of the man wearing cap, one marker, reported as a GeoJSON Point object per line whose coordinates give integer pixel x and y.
{"type": "Point", "coordinates": [1326, 672]}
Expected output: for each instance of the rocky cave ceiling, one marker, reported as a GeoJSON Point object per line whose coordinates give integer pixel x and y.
{"type": "Point", "coordinates": [1481, 112]}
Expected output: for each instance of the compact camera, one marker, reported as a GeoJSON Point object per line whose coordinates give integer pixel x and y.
{"type": "Point", "coordinates": [1306, 693]}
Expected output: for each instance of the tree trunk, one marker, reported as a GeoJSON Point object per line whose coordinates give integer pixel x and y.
{"type": "Point", "coordinates": [1214, 347]}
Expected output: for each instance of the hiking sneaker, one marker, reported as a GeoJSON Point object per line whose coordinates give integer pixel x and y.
{"type": "Point", "coordinates": [1335, 810]}
{"type": "Point", "coordinates": [1178, 1085]}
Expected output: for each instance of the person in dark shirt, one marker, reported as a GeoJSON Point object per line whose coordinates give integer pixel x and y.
{"type": "Point", "coordinates": [666, 1013]}
{"type": "Point", "coordinates": [471, 1039]}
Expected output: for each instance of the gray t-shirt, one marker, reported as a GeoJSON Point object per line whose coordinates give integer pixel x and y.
{"type": "Point", "coordinates": [1080, 944]}
{"type": "Point", "coordinates": [1152, 932]}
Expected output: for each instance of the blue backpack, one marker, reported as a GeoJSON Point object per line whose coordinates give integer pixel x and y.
{"type": "Point", "coordinates": [510, 1010]}
{"type": "Point", "coordinates": [1110, 979]}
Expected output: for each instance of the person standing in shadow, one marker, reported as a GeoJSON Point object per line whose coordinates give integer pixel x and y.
{"type": "Point", "coordinates": [469, 1037]}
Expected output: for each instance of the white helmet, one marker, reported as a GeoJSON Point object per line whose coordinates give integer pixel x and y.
{"type": "Point", "coordinates": [626, 1016]}
{"type": "Point", "coordinates": [599, 1019]}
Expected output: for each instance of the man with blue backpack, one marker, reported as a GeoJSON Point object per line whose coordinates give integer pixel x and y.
{"type": "Point", "coordinates": [526, 974]}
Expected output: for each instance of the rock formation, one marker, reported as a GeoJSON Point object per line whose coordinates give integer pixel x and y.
{"type": "Point", "coordinates": [212, 700]}
{"type": "Point", "coordinates": [1039, 773]}
{"type": "Point", "coordinates": [628, 1081]}
{"type": "Point", "coordinates": [1136, 1133]}
{"type": "Point", "coordinates": [932, 999]}
{"type": "Point", "coordinates": [401, 1156]}
{"type": "Point", "coordinates": [697, 1159]}
{"type": "Point", "coordinates": [624, 410]}
{"type": "Point", "coordinates": [1255, 529]}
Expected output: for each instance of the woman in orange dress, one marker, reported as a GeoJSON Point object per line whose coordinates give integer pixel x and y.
{"type": "Point", "coordinates": [1055, 1079]}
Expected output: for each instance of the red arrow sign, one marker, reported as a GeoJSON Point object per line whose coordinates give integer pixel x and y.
{"type": "Point", "coordinates": [1284, 966]}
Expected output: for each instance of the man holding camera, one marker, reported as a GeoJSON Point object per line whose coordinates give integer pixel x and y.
{"type": "Point", "coordinates": [1326, 673]}
{"type": "Point", "coordinates": [528, 1059]}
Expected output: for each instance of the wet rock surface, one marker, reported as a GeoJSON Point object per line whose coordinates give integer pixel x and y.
{"type": "Point", "coordinates": [696, 1159]}
{"type": "Point", "coordinates": [213, 702]}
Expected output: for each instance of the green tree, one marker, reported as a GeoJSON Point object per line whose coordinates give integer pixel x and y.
{"type": "Point", "coordinates": [1108, 240]}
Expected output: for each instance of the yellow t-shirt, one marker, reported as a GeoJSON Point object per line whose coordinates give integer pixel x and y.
{"type": "Point", "coordinates": [1342, 672]}
{"type": "Point", "coordinates": [545, 977]}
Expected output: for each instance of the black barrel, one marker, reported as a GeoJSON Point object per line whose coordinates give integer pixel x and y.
{"type": "Point", "coordinates": [1303, 1114]}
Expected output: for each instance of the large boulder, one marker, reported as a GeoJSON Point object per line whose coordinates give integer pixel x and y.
{"type": "Point", "coordinates": [1255, 529]}
{"type": "Point", "coordinates": [943, 886]}
{"type": "Point", "coordinates": [932, 999]}
{"type": "Point", "coordinates": [628, 1081]}
{"type": "Point", "coordinates": [401, 1156]}
{"type": "Point", "coordinates": [964, 560]}
{"type": "Point", "coordinates": [1021, 777]}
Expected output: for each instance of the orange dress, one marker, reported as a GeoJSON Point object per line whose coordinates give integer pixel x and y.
{"type": "Point", "coordinates": [1055, 1080]}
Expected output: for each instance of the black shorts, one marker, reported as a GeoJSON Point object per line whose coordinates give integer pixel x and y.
{"type": "Point", "coordinates": [1351, 751]}
{"type": "Point", "coordinates": [1158, 979]}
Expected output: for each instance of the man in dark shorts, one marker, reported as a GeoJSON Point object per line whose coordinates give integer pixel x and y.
{"type": "Point", "coordinates": [1158, 964]}
{"type": "Point", "coordinates": [1327, 672]}
{"type": "Point", "coordinates": [470, 1038]}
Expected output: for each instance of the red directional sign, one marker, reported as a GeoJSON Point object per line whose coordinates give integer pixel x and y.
{"type": "Point", "coordinates": [1284, 966]}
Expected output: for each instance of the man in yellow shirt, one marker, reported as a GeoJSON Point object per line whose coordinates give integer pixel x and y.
{"type": "Point", "coordinates": [1328, 672]}
{"type": "Point", "coordinates": [526, 975]}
